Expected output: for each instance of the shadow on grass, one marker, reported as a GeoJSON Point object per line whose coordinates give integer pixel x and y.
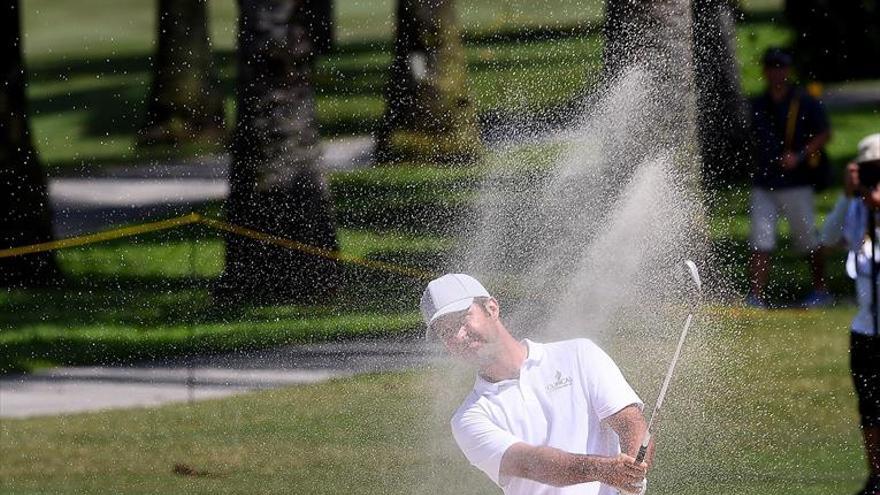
{"type": "Point", "coordinates": [117, 108]}
{"type": "Point", "coordinates": [790, 274]}
{"type": "Point", "coordinates": [100, 319]}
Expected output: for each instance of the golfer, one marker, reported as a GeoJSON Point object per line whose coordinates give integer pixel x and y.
{"type": "Point", "coordinates": [542, 418]}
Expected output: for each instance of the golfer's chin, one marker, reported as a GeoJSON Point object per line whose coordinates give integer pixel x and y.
{"type": "Point", "coordinates": [476, 352]}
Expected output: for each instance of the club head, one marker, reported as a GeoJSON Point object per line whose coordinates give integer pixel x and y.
{"type": "Point", "coordinates": [695, 274]}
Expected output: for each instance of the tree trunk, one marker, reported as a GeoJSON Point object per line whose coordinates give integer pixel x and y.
{"type": "Point", "coordinates": [185, 102]}
{"type": "Point", "coordinates": [653, 37]}
{"type": "Point", "coordinates": [721, 107]}
{"type": "Point", "coordinates": [836, 41]}
{"type": "Point", "coordinates": [428, 115]}
{"type": "Point", "coordinates": [321, 26]}
{"type": "Point", "coordinates": [25, 217]}
{"type": "Point", "coordinates": [276, 186]}
{"type": "Point", "coordinates": [687, 50]}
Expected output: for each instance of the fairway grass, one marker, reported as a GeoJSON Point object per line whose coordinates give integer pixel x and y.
{"type": "Point", "coordinates": [762, 405]}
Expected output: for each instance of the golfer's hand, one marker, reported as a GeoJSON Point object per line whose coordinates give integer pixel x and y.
{"type": "Point", "coordinates": [623, 473]}
{"type": "Point", "coordinates": [643, 487]}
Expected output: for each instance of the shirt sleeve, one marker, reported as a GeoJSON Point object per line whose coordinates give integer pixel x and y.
{"type": "Point", "coordinates": [608, 390]}
{"type": "Point", "coordinates": [832, 229]}
{"type": "Point", "coordinates": [481, 440]}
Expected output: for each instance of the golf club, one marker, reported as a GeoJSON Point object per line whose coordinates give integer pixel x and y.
{"type": "Point", "coordinates": [643, 449]}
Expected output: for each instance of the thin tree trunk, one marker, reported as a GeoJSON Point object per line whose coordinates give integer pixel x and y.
{"type": "Point", "coordinates": [25, 217]}
{"type": "Point", "coordinates": [185, 102]}
{"type": "Point", "coordinates": [276, 186]}
{"type": "Point", "coordinates": [428, 114]}
{"type": "Point", "coordinates": [321, 25]}
{"type": "Point", "coordinates": [654, 37]}
{"type": "Point", "coordinates": [687, 51]}
{"type": "Point", "coordinates": [721, 107]}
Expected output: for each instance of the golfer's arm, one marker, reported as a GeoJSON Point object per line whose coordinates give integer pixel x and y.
{"type": "Point", "coordinates": [549, 465]}
{"type": "Point", "coordinates": [630, 426]}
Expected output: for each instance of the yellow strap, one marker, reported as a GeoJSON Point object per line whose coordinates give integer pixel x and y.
{"type": "Point", "coordinates": [791, 121]}
{"type": "Point", "coordinates": [107, 235]}
{"type": "Point", "coordinates": [315, 251]}
{"type": "Point", "coordinates": [194, 218]}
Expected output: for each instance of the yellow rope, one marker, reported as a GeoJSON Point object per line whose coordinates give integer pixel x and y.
{"type": "Point", "coordinates": [315, 251]}
{"type": "Point", "coordinates": [193, 218]}
{"type": "Point", "coordinates": [107, 235]}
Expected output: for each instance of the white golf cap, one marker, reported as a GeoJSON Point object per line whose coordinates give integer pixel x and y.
{"type": "Point", "coordinates": [450, 293]}
{"type": "Point", "coordinates": [869, 149]}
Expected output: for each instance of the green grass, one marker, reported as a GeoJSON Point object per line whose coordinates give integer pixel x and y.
{"type": "Point", "coordinates": [89, 69]}
{"type": "Point", "coordinates": [85, 102]}
{"type": "Point", "coordinates": [108, 28]}
{"type": "Point", "coordinates": [149, 297]}
{"type": "Point", "coordinates": [91, 115]}
{"type": "Point", "coordinates": [848, 128]}
{"type": "Point", "coordinates": [762, 403]}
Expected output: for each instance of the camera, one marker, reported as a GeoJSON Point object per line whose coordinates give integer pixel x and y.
{"type": "Point", "coordinates": [869, 174]}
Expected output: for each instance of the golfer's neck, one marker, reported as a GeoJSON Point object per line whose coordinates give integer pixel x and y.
{"type": "Point", "coordinates": [507, 362]}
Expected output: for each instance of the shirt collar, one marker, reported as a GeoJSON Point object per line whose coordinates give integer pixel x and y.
{"type": "Point", "coordinates": [535, 353]}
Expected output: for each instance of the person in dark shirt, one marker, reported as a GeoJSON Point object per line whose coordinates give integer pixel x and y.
{"type": "Point", "coordinates": [789, 130]}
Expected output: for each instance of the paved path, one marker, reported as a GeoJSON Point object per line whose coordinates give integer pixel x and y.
{"type": "Point", "coordinates": [124, 194]}
{"type": "Point", "coordinates": [81, 389]}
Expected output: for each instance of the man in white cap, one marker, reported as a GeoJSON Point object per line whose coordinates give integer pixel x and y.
{"type": "Point", "coordinates": [542, 418]}
{"type": "Point", "coordinates": [851, 222]}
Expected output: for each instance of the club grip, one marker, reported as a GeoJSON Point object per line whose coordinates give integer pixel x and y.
{"type": "Point", "coordinates": [643, 450]}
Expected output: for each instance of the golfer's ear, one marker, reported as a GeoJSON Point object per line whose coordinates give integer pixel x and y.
{"type": "Point", "coordinates": [491, 306]}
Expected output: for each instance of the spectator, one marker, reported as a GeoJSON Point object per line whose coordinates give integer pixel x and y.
{"type": "Point", "coordinates": [852, 221]}
{"type": "Point", "coordinates": [789, 130]}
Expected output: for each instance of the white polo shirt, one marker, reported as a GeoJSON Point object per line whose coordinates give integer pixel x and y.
{"type": "Point", "coordinates": [564, 391]}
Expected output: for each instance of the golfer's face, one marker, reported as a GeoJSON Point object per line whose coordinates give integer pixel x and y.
{"type": "Point", "coordinates": [466, 333]}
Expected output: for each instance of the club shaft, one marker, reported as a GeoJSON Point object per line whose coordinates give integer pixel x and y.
{"type": "Point", "coordinates": [646, 439]}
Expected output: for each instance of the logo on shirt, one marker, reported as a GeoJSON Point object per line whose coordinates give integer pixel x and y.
{"type": "Point", "coordinates": [560, 382]}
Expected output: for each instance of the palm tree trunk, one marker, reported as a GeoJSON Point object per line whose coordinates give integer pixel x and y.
{"type": "Point", "coordinates": [24, 202]}
{"type": "Point", "coordinates": [721, 118]}
{"type": "Point", "coordinates": [276, 186]}
{"type": "Point", "coordinates": [654, 37]}
{"type": "Point", "coordinates": [687, 51]}
{"type": "Point", "coordinates": [185, 102]}
{"type": "Point", "coordinates": [428, 115]}
{"type": "Point", "coordinates": [321, 26]}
